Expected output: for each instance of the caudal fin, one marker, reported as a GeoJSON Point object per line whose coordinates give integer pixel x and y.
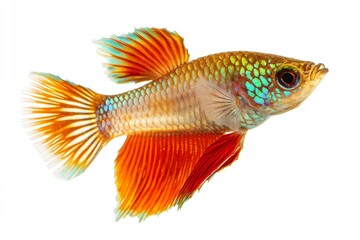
{"type": "Point", "coordinates": [61, 117]}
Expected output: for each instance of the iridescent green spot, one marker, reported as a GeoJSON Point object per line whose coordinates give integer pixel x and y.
{"type": "Point", "coordinates": [137, 94]}
{"type": "Point", "coordinates": [268, 72]}
{"type": "Point", "coordinates": [265, 90]}
{"type": "Point", "coordinates": [256, 72]}
{"type": "Point", "coordinates": [263, 63]}
{"type": "Point", "coordinates": [256, 82]}
{"type": "Point", "coordinates": [110, 108]}
{"type": "Point", "coordinates": [246, 117]}
{"type": "Point", "coordinates": [278, 95]}
{"type": "Point", "coordinates": [237, 63]}
{"type": "Point", "coordinates": [269, 79]}
{"type": "Point", "coordinates": [242, 71]}
{"type": "Point", "coordinates": [271, 85]}
{"type": "Point", "coordinates": [121, 98]}
{"type": "Point", "coordinates": [126, 97]}
{"type": "Point", "coordinates": [105, 108]}
{"type": "Point", "coordinates": [101, 111]}
{"type": "Point", "coordinates": [256, 64]}
{"type": "Point", "coordinates": [116, 99]}
{"type": "Point", "coordinates": [135, 101]}
{"type": "Point", "coordinates": [248, 75]}
{"type": "Point", "coordinates": [158, 87]}
{"type": "Point", "coordinates": [193, 75]}
{"type": "Point", "coordinates": [287, 93]}
{"type": "Point", "coordinates": [111, 101]}
{"type": "Point", "coordinates": [259, 100]}
{"type": "Point", "coordinates": [188, 76]}
{"type": "Point", "coordinates": [107, 102]}
{"type": "Point", "coordinates": [148, 91]}
{"type": "Point", "coordinates": [277, 90]}
{"type": "Point", "coordinates": [142, 92]}
{"type": "Point", "coordinates": [263, 81]}
{"type": "Point", "coordinates": [114, 106]}
{"type": "Point", "coordinates": [231, 69]}
{"type": "Point", "coordinates": [232, 59]}
{"type": "Point", "coordinates": [272, 66]}
{"type": "Point", "coordinates": [249, 86]}
{"type": "Point", "coordinates": [273, 96]}
{"type": "Point", "coordinates": [251, 60]}
{"type": "Point", "coordinates": [217, 75]}
{"type": "Point", "coordinates": [249, 67]}
{"type": "Point", "coordinates": [259, 93]}
{"type": "Point", "coordinates": [251, 94]}
{"type": "Point", "coordinates": [223, 72]}
{"type": "Point", "coordinates": [262, 71]}
{"type": "Point", "coordinates": [244, 61]}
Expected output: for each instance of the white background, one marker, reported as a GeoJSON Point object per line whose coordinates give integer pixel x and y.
{"type": "Point", "coordinates": [298, 176]}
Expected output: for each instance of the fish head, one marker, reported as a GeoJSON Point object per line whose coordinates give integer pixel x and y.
{"type": "Point", "coordinates": [274, 84]}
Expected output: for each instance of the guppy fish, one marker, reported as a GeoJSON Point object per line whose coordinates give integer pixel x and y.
{"type": "Point", "coordinates": [185, 125]}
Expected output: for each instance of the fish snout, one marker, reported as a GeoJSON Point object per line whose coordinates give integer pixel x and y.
{"type": "Point", "coordinates": [318, 72]}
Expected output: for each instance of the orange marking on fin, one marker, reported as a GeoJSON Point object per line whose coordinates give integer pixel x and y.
{"type": "Point", "coordinates": [61, 118]}
{"type": "Point", "coordinates": [146, 54]}
{"type": "Point", "coordinates": [151, 168]}
{"type": "Point", "coordinates": [217, 156]}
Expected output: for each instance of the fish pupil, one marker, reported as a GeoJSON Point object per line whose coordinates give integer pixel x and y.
{"type": "Point", "coordinates": [287, 77]}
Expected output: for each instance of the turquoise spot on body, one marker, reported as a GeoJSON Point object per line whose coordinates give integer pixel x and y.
{"type": "Point", "coordinates": [259, 100]}
{"type": "Point", "coordinates": [287, 93]}
{"type": "Point", "coordinates": [264, 81]}
{"type": "Point", "coordinates": [251, 94]}
{"type": "Point", "coordinates": [256, 82]}
{"type": "Point", "coordinates": [249, 86]}
{"type": "Point", "coordinates": [242, 71]}
{"type": "Point", "coordinates": [248, 75]}
{"type": "Point", "coordinates": [259, 93]}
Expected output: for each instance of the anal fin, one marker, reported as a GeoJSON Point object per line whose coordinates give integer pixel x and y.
{"type": "Point", "coordinates": [155, 171]}
{"type": "Point", "coordinates": [151, 168]}
{"type": "Point", "coordinates": [217, 156]}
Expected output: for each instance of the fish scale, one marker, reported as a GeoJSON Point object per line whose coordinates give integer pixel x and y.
{"type": "Point", "coordinates": [171, 104]}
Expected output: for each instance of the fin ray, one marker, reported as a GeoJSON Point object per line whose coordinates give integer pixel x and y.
{"type": "Point", "coordinates": [146, 54]}
{"type": "Point", "coordinates": [61, 118]}
{"type": "Point", "coordinates": [217, 156]}
{"type": "Point", "coordinates": [151, 168]}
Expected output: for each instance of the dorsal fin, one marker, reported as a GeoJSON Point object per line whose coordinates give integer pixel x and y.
{"type": "Point", "coordinates": [146, 54]}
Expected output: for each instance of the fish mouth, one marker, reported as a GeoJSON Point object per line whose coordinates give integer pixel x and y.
{"type": "Point", "coordinates": [318, 72]}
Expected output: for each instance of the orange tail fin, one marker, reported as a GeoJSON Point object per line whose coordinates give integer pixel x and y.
{"type": "Point", "coordinates": [62, 121]}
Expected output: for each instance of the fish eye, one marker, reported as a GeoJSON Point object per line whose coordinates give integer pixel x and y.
{"type": "Point", "coordinates": [288, 78]}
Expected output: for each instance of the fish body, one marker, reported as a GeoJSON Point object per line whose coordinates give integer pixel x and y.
{"type": "Point", "coordinates": [186, 124]}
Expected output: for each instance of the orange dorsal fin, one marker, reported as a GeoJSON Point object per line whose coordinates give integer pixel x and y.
{"type": "Point", "coordinates": [146, 54]}
{"type": "Point", "coordinates": [155, 171]}
{"type": "Point", "coordinates": [151, 169]}
{"type": "Point", "coordinates": [218, 155]}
